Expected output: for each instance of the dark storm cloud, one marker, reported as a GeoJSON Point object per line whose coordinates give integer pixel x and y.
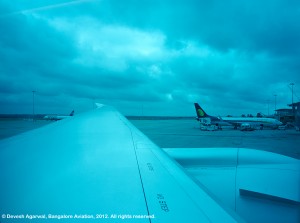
{"type": "Point", "coordinates": [263, 35]}
{"type": "Point", "coordinates": [268, 25]}
{"type": "Point", "coordinates": [30, 48]}
{"type": "Point", "coordinates": [164, 53]}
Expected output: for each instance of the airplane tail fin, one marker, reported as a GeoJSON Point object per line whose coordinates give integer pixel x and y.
{"type": "Point", "coordinates": [200, 112]}
{"type": "Point", "coordinates": [72, 113]}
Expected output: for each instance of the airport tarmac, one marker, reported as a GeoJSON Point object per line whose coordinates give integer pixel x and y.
{"type": "Point", "coordinates": [185, 133]}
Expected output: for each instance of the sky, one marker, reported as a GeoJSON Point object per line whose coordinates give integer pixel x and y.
{"type": "Point", "coordinates": [149, 57]}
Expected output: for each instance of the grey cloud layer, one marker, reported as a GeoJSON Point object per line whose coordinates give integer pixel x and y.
{"type": "Point", "coordinates": [150, 51]}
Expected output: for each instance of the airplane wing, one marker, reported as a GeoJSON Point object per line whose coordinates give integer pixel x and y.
{"type": "Point", "coordinates": [260, 186]}
{"type": "Point", "coordinates": [98, 166]}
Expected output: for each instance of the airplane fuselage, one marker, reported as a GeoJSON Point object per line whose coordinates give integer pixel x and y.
{"type": "Point", "coordinates": [265, 122]}
{"type": "Point", "coordinates": [203, 117]}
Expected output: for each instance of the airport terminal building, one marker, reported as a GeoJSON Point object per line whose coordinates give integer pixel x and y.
{"type": "Point", "coordinates": [289, 115]}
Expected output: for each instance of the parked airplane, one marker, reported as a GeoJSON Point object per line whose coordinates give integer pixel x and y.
{"type": "Point", "coordinates": [237, 121]}
{"type": "Point", "coordinates": [58, 117]}
{"type": "Point", "coordinates": [97, 165]}
{"type": "Point", "coordinates": [204, 118]}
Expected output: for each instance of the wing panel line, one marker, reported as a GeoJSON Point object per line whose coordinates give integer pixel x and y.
{"type": "Point", "coordinates": [138, 165]}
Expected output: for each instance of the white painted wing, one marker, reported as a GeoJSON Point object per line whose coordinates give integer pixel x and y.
{"type": "Point", "coordinates": [98, 164]}
{"type": "Point", "coordinates": [260, 186]}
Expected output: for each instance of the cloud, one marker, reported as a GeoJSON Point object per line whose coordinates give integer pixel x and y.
{"type": "Point", "coordinates": [232, 55]}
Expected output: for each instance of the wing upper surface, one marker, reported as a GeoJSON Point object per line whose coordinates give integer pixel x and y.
{"type": "Point", "coordinates": [247, 180]}
{"type": "Point", "coordinates": [98, 163]}
{"type": "Point", "coordinates": [72, 167]}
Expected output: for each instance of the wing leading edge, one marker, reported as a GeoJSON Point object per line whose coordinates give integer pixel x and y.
{"type": "Point", "coordinates": [98, 164]}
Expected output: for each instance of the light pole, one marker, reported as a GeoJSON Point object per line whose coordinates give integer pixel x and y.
{"type": "Point", "coordinates": [275, 95]}
{"type": "Point", "coordinates": [268, 106]}
{"type": "Point", "coordinates": [293, 108]}
{"type": "Point", "coordinates": [33, 105]}
{"type": "Point", "coordinates": [292, 84]}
